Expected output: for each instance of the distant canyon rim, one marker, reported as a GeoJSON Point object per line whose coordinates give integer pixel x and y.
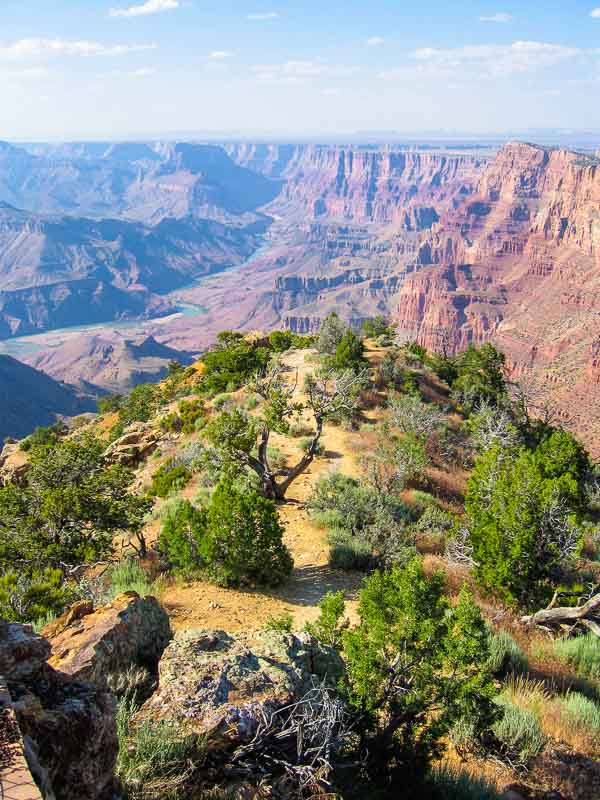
{"type": "Point", "coordinates": [180, 241]}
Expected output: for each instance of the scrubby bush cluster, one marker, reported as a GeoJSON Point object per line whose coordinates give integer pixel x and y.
{"type": "Point", "coordinates": [67, 514]}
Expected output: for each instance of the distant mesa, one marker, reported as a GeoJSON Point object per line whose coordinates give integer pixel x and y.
{"type": "Point", "coordinates": [108, 362]}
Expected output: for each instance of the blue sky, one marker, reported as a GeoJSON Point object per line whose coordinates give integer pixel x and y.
{"type": "Point", "coordinates": [125, 68]}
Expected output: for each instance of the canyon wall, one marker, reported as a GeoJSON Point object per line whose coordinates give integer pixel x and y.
{"type": "Point", "coordinates": [409, 188]}
{"type": "Point", "coordinates": [519, 264]}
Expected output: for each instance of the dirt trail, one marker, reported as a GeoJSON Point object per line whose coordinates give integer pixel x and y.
{"type": "Point", "coordinates": [200, 604]}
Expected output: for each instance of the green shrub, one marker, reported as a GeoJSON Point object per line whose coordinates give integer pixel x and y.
{"type": "Point", "coordinates": [410, 458]}
{"type": "Point", "coordinates": [349, 353]}
{"type": "Point", "coordinates": [282, 624]}
{"type": "Point", "coordinates": [519, 733]}
{"type": "Point", "coordinates": [70, 509]}
{"type": "Point", "coordinates": [409, 414]}
{"type": "Point", "coordinates": [221, 400]}
{"type": "Point", "coordinates": [433, 519]}
{"type": "Point", "coordinates": [171, 422]}
{"type": "Point", "coordinates": [138, 406]}
{"type": "Point", "coordinates": [331, 334]}
{"type": "Point", "coordinates": [280, 341]}
{"type": "Point", "coordinates": [377, 326]}
{"type": "Point", "coordinates": [231, 363]}
{"type": "Point", "coordinates": [30, 598]}
{"type": "Point", "coordinates": [107, 405]}
{"type": "Point", "coordinates": [330, 625]}
{"type": "Point", "coordinates": [169, 477]}
{"type": "Point", "coordinates": [243, 543]}
{"type": "Point", "coordinates": [466, 739]}
{"type": "Point", "coordinates": [200, 424]}
{"type": "Point", "coordinates": [480, 377]}
{"type": "Point", "coordinates": [328, 519]}
{"type": "Point", "coordinates": [522, 522]}
{"type": "Point", "coordinates": [505, 654]}
{"type": "Point", "coordinates": [355, 502]}
{"type": "Point", "coordinates": [191, 456]}
{"type": "Point", "coordinates": [190, 411]}
{"type": "Point", "coordinates": [415, 666]}
{"type": "Point", "coordinates": [181, 536]}
{"type": "Point", "coordinates": [582, 653]}
{"type": "Point", "coordinates": [362, 522]}
{"type": "Point", "coordinates": [582, 709]}
{"type": "Point", "coordinates": [349, 552]}
{"type": "Point", "coordinates": [44, 437]}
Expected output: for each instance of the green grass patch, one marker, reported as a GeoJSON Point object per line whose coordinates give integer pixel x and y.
{"type": "Point", "coordinates": [505, 654]}
{"type": "Point", "coordinates": [519, 732]}
{"type": "Point", "coordinates": [128, 576]}
{"type": "Point", "coordinates": [449, 783]}
{"type": "Point", "coordinates": [581, 653]}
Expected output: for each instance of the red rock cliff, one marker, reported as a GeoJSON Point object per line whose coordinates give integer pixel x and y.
{"type": "Point", "coordinates": [519, 263]}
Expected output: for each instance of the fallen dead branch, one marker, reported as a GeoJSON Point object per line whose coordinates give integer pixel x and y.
{"type": "Point", "coordinates": [296, 744]}
{"type": "Point", "coordinates": [585, 614]}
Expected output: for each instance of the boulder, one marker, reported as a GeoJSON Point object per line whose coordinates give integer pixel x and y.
{"type": "Point", "coordinates": [134, 447]}
{"type": "Point", "coordinates": [220, 686]}
{"type": "Point", "coordinates": [14, 465]}
{"type": "Point", "coordinates": [131, 631]}
{"type": "Point", "coordinates": [22, 654]}
{"type": "Point", "coordinates": [64, 733]}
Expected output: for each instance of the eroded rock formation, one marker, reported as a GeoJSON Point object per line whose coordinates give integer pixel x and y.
{"type": "Point", "coordinates": [66, 728]}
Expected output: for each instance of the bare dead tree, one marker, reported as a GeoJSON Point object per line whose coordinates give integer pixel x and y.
{"type": "Point", "coordinates": [532, 402]}
{"type": "Point", "coordinates": [459, 549]}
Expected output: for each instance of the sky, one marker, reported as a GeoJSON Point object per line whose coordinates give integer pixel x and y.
{"type": "Point", "coordinates": [109, 69]}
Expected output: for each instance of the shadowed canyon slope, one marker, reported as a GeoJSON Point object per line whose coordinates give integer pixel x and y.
{"type": "Point", "coordinates": [108, 362]}
{"type": "Point", "coordinates": [29, 398]}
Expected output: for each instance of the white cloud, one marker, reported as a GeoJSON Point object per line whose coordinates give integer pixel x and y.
{"type": "Point", "coordinates": [263, 16]}
{"type": "Point", "coordinates": [595, 13]}
{"type": "Point", "coordinates": [150, 7]}
{"type": "Point", "coordinates": [497, 60]}
{"type": "Point", "coordinates": [24, 49]}
{"type": "Point", "coordinates": [500, 18]}
{"type": "Point", "coordinates": [301, 71]}
{"type": "Point", "coordinates": [219, 55]}
{"type": "Point", "coordinates": [143, 72]}
{"type": "Point", "coordinates": [375, 41]}
{"type": "Point", "coordinates": [332, 92]}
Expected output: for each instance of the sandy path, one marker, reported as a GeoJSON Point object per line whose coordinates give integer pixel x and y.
{"type": "Point", "coordinates": [200, 604]}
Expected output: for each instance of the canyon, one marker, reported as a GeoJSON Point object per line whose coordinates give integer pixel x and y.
{"type": "Point", "coordinates": [455, 246]}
